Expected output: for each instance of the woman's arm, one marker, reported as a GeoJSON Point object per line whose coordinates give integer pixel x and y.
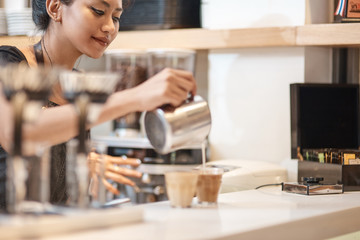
{"type": "Point", "coordinates": [59, 124]}
{"type": "Point", "coordinates": [170, 86]}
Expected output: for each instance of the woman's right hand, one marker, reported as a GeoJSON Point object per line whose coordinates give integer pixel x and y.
{"type": "Point", "coordinates": [115, 169]}
{"type": "Point", "coordinates": [170, 86]}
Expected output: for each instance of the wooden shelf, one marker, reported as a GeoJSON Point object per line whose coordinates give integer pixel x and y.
{"type": "Point", "coordinates": [327, 35]}
{"type": "Point", "coordinates": [336, 35]}
{"type": "Point", "coordinates": [207, 39]}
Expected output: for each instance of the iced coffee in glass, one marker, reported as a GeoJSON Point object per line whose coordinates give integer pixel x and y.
{"type": "Point", "coordinates": [208, 186]}
{"type": "Point", "coordinates": [181, 187]}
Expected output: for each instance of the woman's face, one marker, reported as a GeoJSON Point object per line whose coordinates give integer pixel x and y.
{"type": "Point", "coordinates": [91, 25]}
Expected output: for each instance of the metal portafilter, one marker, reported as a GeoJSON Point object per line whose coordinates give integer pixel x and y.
{"type": "Point", "coordinates": [26, 89]}
{"type": "Point", "coordinates": [88, 92]}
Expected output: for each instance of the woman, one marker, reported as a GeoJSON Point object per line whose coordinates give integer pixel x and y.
{"type": "Point", "coordinates": [72, 28]}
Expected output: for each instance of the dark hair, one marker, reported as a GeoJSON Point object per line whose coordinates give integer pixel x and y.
{"type": "Point", "coordinates": [127, 3]}
{"type": "Point", "coordinates": [39, 14]}
{"type": "Point", "coordinates": [42, 19]}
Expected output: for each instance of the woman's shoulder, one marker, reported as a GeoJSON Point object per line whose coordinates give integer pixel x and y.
{"type": "Point", "coordinates": [10, 54]}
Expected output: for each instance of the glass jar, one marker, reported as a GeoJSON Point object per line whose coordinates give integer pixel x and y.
{"type": "Point", "coordinates": [177, 58]}
{"type": "Point", "coordinates": [132, 66]}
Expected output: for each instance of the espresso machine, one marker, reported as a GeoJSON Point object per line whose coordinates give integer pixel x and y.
{"type": "Point", "coordinates": [87, 92]}
{"type": "Point", "coordinates": [129, 139]}
{"type": "Point", "coordinates": [27, 90]}
{"type": "Point", "coordinates": [28, 182]}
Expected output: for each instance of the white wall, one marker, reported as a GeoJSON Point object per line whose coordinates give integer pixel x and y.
{"type": "Point", "coordinates": [259, 13]}
{"type": "Point", "coordinates": [250, 102]}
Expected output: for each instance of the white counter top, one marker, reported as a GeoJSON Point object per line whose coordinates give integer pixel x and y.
{"type": "Point", "coordinates": [267, 213]}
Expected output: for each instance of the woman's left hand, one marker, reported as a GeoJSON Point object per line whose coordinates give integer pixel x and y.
{"type": "Point", "coordinates": [112, 170]}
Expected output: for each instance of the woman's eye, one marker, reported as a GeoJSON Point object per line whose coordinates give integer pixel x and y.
{"type": "Point", "coordinates": [116, 19]}
{"type": "Point", "coordinates": [97, 11]}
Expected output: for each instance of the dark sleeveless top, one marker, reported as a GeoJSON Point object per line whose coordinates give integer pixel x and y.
{"type": "Point", "coordinates": [10, 54]}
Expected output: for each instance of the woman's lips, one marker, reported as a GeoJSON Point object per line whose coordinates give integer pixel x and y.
{"type": "Point", "coordinates": [102, 41]}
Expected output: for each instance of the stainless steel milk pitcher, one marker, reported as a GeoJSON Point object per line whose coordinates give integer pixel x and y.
{"type": "Point", "coordinates": [169, 128]}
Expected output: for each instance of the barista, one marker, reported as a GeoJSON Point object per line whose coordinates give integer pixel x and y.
{"type": "Point", "coordinates": [72, 28]}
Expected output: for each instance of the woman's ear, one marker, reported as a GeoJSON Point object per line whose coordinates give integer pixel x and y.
{"type": "Point", "coordinates": [53, 8]}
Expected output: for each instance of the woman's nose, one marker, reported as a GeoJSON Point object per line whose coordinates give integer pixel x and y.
{"type": "Point", "coordinates": [109, 25]}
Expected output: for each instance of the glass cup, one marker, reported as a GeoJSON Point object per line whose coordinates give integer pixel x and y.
{"type": "Point", "coordinates": [181, 187]}
{"type": "Point", "coordinates": [208, 186]}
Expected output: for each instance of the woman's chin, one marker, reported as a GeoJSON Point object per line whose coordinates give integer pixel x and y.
{"type": "Point", "coordinates": [95, 55]}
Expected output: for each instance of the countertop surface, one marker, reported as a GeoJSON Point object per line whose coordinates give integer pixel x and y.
{"type": "Point", "coordinates": [266, 213]}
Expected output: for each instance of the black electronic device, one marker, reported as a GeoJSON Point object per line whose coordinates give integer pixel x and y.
{"type": "Point", "coordinates": [160, 14]}
{"type": "Point", "coordinates": [325, 134]}
{"type": "Point", "coordinates": [324, 116]}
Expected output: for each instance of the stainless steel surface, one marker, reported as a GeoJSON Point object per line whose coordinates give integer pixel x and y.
{"type": "Point", "coordinates": [309, 189]}
{"type": "Point", "coordinates": [169, 128]}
